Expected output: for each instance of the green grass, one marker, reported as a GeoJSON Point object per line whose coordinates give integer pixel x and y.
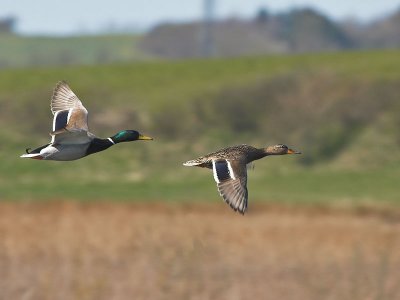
{"type": "Point", "coordinates": [131, 95]}
{"type": "Point", "coordinates": [294, 187]}
{"type": "Point", "coordinates": [329, 186]}
{"type": "Point", "coordinates": [17, 51]}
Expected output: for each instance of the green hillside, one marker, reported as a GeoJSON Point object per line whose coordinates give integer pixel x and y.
{"type": "Point", "coordinates": [18, 51]}
{"type": "Point", "coordinates": [339, 109]}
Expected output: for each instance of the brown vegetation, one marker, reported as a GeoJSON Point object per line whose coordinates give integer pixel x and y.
{"type": "Point", "coordinates": [139, 251]}
{"type": "Point", "coordinates": [321, 111]}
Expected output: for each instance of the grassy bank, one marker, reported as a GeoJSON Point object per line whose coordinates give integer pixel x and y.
{"type": "Point", "coordinates": [18, 51]}
{"type": "Point", "coordinates": [339, 109]}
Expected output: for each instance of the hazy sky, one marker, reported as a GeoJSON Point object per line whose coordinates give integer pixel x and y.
{"type": "Point", "coordinates": [66, 17]}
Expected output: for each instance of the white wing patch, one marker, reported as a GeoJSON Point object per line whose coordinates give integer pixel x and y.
{"type": "Point", "coordinates": [215, 172]}
{"type": "Point", "coordinates": [231, 173]}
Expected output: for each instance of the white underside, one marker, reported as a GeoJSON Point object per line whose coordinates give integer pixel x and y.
{"type": "Point", "coordinates": [69, 152]}
{"type": "Point", "coordinates": [68, 145]}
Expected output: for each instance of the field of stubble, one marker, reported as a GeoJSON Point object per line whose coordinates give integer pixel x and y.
{"type": "Point", "coordinates": [138, 251]}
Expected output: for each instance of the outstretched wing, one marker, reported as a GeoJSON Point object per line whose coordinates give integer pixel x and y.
{"type": "Point", "coordinates": [69, 112]}
{"type": "Point", "coordinates": [231, 178]}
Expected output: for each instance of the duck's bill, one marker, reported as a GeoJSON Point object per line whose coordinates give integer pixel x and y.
{"type": "Point", "coordinates": [291, 151]}
{"type": "Point", "coordinates": [145, 138]}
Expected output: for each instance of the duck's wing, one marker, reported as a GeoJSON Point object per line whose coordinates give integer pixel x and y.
{"type": "Point", "coordinates": [69, 112]}
{"type": "Point", "coordinates": [231, 178]}
{"type": "Point", "coordinates": [72, 137]}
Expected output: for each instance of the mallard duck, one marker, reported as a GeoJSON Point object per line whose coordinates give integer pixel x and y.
{"type": "Point", "coordinates": [229, 167]}
{"type": "Point", "coordinates": [70, 137]}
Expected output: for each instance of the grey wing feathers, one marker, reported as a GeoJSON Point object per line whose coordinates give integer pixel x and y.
{"type": "Point", "coordinates": [69, 112]}
{"type": "Point", "coordinates": [64, 98]}
{"type": "Point", "coordinates": [235, 194]}
{"type": "Point", "coordinates": [231, 178]}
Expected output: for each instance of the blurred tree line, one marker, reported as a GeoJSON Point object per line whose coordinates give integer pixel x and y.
{"type": "Point", "coordinates": [7, 25]}
{"type": "Point", "coordinates": [294, 31]}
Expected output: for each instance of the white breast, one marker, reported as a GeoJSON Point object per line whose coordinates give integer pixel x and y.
{"type": "Point", "coordinates": [68, 152]}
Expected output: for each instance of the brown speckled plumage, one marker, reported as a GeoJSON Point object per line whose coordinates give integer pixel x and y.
{"type": "Point", "coordinates": [229, 169]}
{"type": "Point", "coordinates": [243, 153]}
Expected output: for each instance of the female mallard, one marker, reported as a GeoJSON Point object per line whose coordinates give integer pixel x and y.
{"type": "Point", "coordinates": [230, 172]}
{"type": "Point", "coordinates": [70, 138]}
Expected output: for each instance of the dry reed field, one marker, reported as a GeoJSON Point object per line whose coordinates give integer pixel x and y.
{"type": "Point", "coordinates": [121, 251]}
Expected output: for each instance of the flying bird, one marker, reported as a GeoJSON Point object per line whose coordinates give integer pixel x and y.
{"type": "Point", "coordinates": [229, 167]}
{"type": "Point", "coordinates": [70, 136]}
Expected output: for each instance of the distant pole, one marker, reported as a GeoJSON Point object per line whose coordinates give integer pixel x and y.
{"type": "Point", "coordinates": [207, 41]}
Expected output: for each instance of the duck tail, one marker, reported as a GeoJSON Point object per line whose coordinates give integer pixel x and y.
{"type": "Point", "coordinates": [190, 163]}
{"type": "Point", "coordinates": [32, 155]}
{"type": "Point", "coordinates": [195, 162]}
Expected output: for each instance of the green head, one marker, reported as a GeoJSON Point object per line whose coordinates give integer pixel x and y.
{"type": "Point", "coordinates": [129, 136]}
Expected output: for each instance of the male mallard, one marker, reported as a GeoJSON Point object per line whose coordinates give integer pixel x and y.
{"type": "Point", "coordinates": [230, 172]}
{"type": "Point", "coordinates": [71, 138]}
